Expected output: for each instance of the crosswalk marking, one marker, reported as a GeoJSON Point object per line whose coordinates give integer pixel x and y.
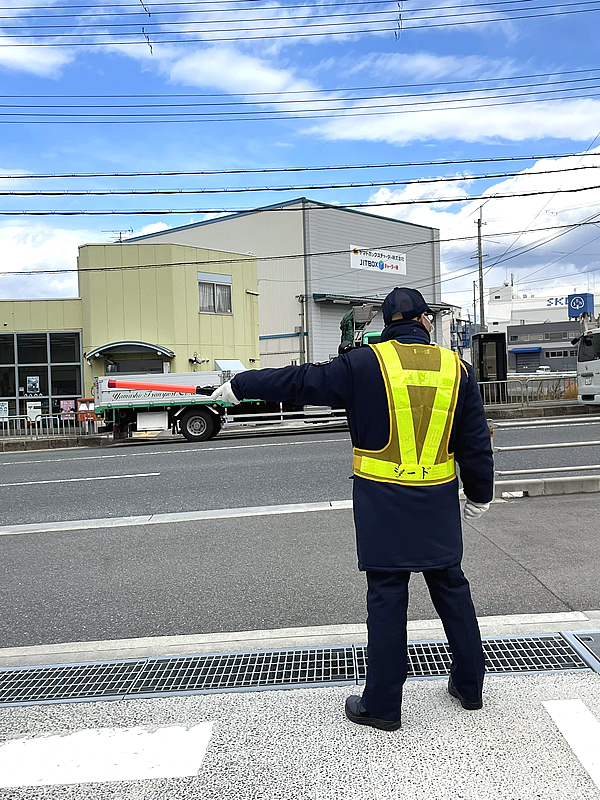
{"type": "Point", "coordinates": [581, 730]}
{"type": "Point", "coordinates": [106, 754]}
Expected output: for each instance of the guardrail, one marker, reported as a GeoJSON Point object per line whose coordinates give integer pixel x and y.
{"type": "Point", "coordinates": [528, 391]}
{"type": "Point", "coordinates": [550, 446]}
{"type": "Point", "coordinates": [45, 426]}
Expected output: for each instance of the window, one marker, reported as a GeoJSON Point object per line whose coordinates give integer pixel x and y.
{"type": "Point", "coordinates": [524, 337]}
{"type": "Point", "coordinates": [7, 381]}
{"type": "Point", "coordinates": [214, 293]}
{"type": "Point", "coordinates": [496, 297]}
{"type": "Point", "coordinates": [64, 348]}
{"type": "Point", "coordinates": [559, 353]}
{"type": "Point", "coordinates": [513, 338]}
{"type": "Point", "coordinates": [589, 347]}
{"type": "Point", "coordinates": [546, 336]}
{"type": "Point", "coordinates": [572, 352]}
{"type": "Point", "coordinates": [33, 380]}
{"type": "Point", "coordinates": [32, 348]}
{"type": "Point", "coordinates": [7, 349]}
{"type": "Point", "coordinates": [65, 380]}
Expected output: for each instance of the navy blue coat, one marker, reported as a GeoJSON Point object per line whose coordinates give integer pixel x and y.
{"type": "Point", "coordinates": [398, 527]}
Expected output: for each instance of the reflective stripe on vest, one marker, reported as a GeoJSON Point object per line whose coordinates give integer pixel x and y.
{"type": "Point", "coordinates": [417, 451]}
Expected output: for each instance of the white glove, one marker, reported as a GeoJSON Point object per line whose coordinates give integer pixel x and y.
{"type": "Point", "coordinates": [226, 394]}
{"type": "Point", "coordinates": [474, 510]}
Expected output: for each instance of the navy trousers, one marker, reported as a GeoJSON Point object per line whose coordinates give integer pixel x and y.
{"type": "Point", "coordinates": [387, 603]}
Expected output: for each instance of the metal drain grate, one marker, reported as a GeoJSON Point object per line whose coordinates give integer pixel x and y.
{"type": "Point", "coordinates": [155, 677]}
{"type": "Point", "coordinates": [522, 654]}
{"type": "Point", "coordinates": [108, 680]}
{"type": "Point", "coordinates": [246, 670]}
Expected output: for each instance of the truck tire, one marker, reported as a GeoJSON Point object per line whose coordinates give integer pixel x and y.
{"type": "Point", "coordinates": [198, 425]}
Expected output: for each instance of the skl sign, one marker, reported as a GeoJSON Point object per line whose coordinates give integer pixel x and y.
{"type": "Point", "coordinates": [581, 304]}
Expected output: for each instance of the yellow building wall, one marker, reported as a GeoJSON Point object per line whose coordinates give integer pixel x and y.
{"type": "Point", "coordinates": [39, 316]}
{"type": "Point", "coordinates": [149, 292]}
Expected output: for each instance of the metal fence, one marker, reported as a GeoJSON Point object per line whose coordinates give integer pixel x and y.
{"type": "Point", "coordinates": [527, 470]}
{"type": "Point", "coordinates": [529, 391]}
{"type": "Point", "coordinates": [45, 426]}
{"type": "Point", "coordinates": [514, 392]}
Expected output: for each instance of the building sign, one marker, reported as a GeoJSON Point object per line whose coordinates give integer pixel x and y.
{"type": "Point", "coordinates": [378, 260]}
{"type": "Point", "coordinates": [554, 302]}
{"type": "Point", "coordinates": [34, 410]}
{"type": "Point", "coordinates": [581, 304]}
{"type": "Point", "coordinates": [67, 409]}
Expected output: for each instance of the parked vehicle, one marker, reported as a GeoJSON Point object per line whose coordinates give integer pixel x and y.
{"type": "Point", "coordinates": [588, 367]}
{"type": "Point", "coordinates": [180, 402]}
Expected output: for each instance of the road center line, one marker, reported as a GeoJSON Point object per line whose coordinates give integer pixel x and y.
{"type": "Point", "coordinates": [581, 730]}
{"type": "Point", "coordinates": [183, 451]}
{"type": "Point", "coordinates": [185, 516]}
{"type": "Point", "coordinates": [76, 480]}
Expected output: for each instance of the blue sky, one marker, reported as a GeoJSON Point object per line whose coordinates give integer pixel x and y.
{"type": "Point", "coordinates": [382, 83]}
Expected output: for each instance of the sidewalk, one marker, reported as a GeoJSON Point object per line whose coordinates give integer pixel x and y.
{"type": "Point", "coordinates": [295, 745]}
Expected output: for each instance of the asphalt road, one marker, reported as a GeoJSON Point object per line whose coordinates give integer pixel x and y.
{"type": "Point", "coordinates": [528, 556]}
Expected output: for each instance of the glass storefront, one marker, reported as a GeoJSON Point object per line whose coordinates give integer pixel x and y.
{"type": "Point", "coordinates": [40, 373]}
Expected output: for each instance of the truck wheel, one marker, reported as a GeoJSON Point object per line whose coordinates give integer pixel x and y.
{"type": "Point", "coordinates": [198, 425]}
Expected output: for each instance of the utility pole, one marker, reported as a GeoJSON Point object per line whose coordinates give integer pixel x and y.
{"type": "Point", "coordinates": [474, 306]}
{"type": "Point", "coordinates": [480, 260]}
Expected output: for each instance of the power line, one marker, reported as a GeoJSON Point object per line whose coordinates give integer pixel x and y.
{"type": "Point", "coordinates": [304, 92]}
{"type": "Point", "coordinates": [249, 37]}
{"type": "Point", "coordinates": [359, 108]}
{"type": "Point", "coordinates": [218, 2]}
{"type": "Point", "coordinates": [421, 201]}
{"type": "Point", "coordinates": [236, 18]}
{"type": "Point", "coordinates": [141, 11]}
{"type": "Point", "coordinates": [243, 190]}
{"type": "Point", "coordinates": [325, 113]}
{"type": "Point", "coordinates": [251, 258]}
{"type": "Point", "coordinates": [346, 99]}
{"type": "Point", "coordinates": [270, 170]}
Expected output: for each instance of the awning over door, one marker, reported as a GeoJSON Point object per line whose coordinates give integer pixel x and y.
{"type": "Point", "coordinates": [131, 347]}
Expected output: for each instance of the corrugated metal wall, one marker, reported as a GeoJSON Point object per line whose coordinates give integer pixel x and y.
{"type": "Point", "coordinates": [301, 227]}
{"type": "Point", "coordinates": [331, 229]}
{"type": "Point", "coordinates": [269, 233]}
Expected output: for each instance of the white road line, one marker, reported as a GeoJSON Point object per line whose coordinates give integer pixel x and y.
{"type": "Point", "coordinates": [101, 755]}
{"type": "Point", "coordinates": [581, 730]}
{"type": "Point", "coordinates": [76, 480]}
{"type": "Point", "coordinates": [185, 516]}
{"type": "Point", "coordinates": [167, 452]}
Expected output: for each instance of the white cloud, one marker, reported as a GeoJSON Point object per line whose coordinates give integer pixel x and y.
{"type": "Point", "coordinates": [543, 260]}
{"type": "Point", "coordinates": [28, 247]}
{"type": "Point", "coordinates": [228, 69]}
{"type": "Point", "coordinates": [45, 62]}
{"type": "Point", "coordinates": [429, 66]}
{"type": "Point", "coordinates": [575, 120]}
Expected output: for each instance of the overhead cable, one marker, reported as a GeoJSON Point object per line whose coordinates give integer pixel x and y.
{"type": "Point", "coordinates": [249, 38]}
{"type": "Point", "coordinates": [187, 211]}
{"type": "Point", "coordinates": [244, 189]}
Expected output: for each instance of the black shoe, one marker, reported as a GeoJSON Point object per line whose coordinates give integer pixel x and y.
{"type": "Point", "coordinates": [470, 705]}
{"type": "Point", "coordinates": [356, 712]}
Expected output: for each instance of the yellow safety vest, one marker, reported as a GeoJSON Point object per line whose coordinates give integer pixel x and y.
{"type": "Point", "coordinates": [422, 383]}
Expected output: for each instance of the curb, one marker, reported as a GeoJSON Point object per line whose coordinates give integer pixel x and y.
{"type": "Point", "coordinates": [282, 638]}
{"type": "Point", "coordinates": [544, 487]}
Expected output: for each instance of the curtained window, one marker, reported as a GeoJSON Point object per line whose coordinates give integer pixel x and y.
{"type": "Point", "coordinates": [214, 297]}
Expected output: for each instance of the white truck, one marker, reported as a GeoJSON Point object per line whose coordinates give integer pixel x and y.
{"type": "Point", "coordinates": [588, 367]}
{"type": "Point", "coordinates": [180, 402]}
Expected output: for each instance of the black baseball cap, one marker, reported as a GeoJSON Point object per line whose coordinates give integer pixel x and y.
{"type": "Point", "coordinates": [408, 302]}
